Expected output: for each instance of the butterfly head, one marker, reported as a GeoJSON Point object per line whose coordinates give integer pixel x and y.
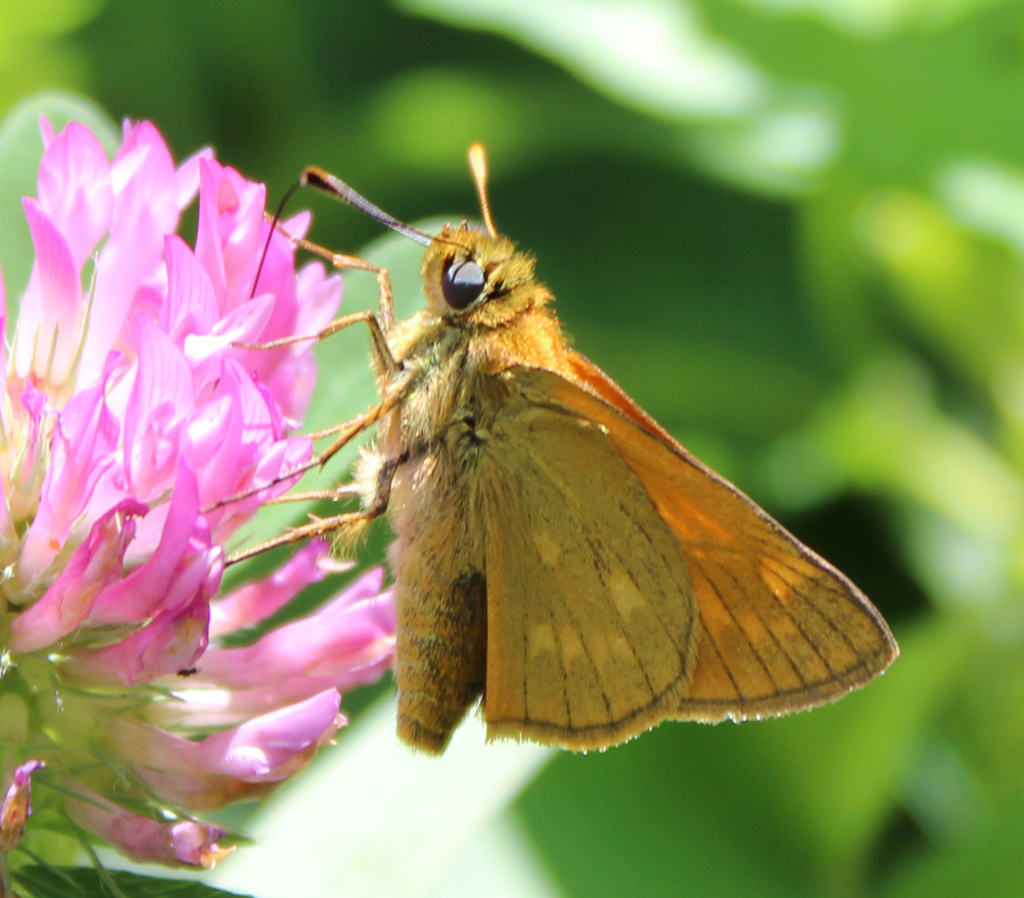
{"type": "Point", "coordinates": [477, 277]}
{"type": "Point", "coordinates": [471, 276]}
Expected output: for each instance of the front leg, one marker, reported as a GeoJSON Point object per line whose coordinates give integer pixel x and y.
{"type": "Point", "coordinates": [345, 528]}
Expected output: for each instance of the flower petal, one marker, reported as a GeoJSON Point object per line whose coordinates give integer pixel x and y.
{"type": "Point", "coordinates": [346, 640]}
{"type": "Point", "coordinates": [17, 805]}
{"type": "Point", "coordinates": [241, 762]}
{"type": "Point", "coordinates": [184, 563]}
{"type": "Point", "coordinates": [83, 452]}
{"type": "Point", "coordinates": [254, 602]}
{"type": "Point", "coordinates": [75, 190]}
{"type": "Point", "coordinates": [172, 641]}
{"type": "Point", "coordinates": [49, 325]}
{"type": "Point", "coordinates": [95, 566]}
{"type": "Point", "coordinates": [182, 843]}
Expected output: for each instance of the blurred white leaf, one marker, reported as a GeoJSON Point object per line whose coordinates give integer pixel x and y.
{"type": "Point", "coordinates": [372, 818]}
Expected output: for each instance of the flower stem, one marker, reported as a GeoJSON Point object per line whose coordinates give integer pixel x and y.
{"type": "Point", "coordinates": [5, 876]}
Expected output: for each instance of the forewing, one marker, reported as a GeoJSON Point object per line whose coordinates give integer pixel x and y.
{"type": "Point", "coordinates": [590, 612]}
{"type": "Point", "coordinates": [779, 629]}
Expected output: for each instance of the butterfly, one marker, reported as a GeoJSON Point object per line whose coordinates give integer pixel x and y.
{"type": "Point", "coordinates": [558, 555]}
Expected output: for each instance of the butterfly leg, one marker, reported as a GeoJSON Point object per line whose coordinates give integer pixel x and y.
{"type": "Point", "coordinates": [347, 431]}
{"type": "Point", "coordinates": [379, 324]}
{"type": "Point", "coordinates": [345, 527]}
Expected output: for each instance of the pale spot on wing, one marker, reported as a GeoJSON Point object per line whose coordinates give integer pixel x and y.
{"type": "Point", "coordinates": [625, 595]}
{"type": "Point", "coordinates": [621, 649]}
{"type": "Point", "coordinates": [779, 587]}
{"type": "Point", "coordinates": [572, 646]}
{"type": "Point", "coordinates": [785, 577]}
{"type": "Point", "coordinates": [542, 640]}
{"type": "Point", "coordinates": [547, 547]}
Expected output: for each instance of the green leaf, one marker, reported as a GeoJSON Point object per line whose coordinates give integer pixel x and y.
{"type": "Point", "coordinates": [654, 56]}
{"type": "Point", "coordinates": [661, 59]}
{"type": "Point", "coordinates": [871, 737]}
{"type": "Point", "coordinates": [988, 863]}
{"type": "Point", "coordinates": [86, 882]}
{"type": "Point", "coordinates": [897, 120]}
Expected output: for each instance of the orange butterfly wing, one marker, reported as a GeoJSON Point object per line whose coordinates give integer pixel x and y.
{"type": "Point", "coordinates": [780, 629]}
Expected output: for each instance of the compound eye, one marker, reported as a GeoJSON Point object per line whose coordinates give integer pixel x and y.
{"type": "Point", "coordinates": [462, 284]}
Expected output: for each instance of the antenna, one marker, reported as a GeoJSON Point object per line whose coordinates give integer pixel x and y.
{"type": "Point", "coordinates": [270, 236]}
{"type": "Point", "coordinates": [324, 181]}
{"type": "Point", "coordinates": [320, 179]}
{"type": "Point", "coordinates": [478, 164]}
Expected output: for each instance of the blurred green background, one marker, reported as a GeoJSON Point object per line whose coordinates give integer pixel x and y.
{"type": "Point", "coordinates": [794, 231]}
